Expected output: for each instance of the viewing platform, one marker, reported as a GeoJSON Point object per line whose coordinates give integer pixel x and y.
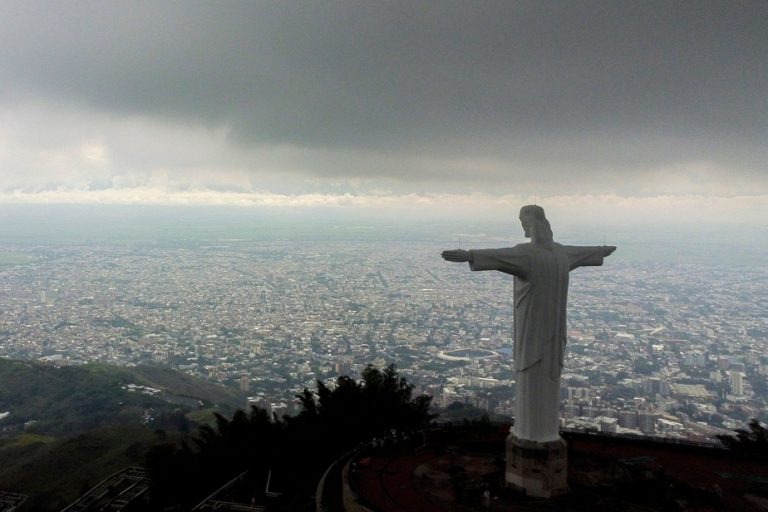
{"type": "Point", "coordinates": [462, 469]}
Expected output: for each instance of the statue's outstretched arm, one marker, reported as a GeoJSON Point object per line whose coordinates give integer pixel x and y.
{"type": "Point", "coordinates": [457, 255]}
{"type": "Point", "coordinates": [587, 256]}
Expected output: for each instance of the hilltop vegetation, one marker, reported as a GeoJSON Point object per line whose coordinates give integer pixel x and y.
{"type": "Point", "coordinates": [53, 473]}
{"type": "Point", "coordinates": [63, 401]}
{"type": "Point", "coordinates": [296, 450]}
{"type": "Point", "coordinates": [55, 459]}
{"type": "Point", "coordinates": [69, 427]}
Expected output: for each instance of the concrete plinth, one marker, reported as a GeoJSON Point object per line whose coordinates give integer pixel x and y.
{"type": "Point", "coordinates": [537, 469]}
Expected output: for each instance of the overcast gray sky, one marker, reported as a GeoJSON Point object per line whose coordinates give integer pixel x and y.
{"type": "Point", "coordinates": [652, 107]}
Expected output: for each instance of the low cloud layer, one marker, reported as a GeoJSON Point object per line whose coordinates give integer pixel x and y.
{"type": "Point", "coordinates": [369, 98]}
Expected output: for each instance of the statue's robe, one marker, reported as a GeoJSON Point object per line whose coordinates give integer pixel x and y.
{"type": "Point", "coordinates": [540, 297]}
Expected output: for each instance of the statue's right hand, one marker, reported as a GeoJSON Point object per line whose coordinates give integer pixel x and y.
{"type": "Point", "coordinates": [457, 255]}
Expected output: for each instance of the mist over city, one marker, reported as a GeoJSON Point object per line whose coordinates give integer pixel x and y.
{"type": "Point", "coordinates": [278, 301]}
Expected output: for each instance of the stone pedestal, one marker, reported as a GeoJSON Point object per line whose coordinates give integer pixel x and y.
{"type": "Point", "coordinates": [537, 469]}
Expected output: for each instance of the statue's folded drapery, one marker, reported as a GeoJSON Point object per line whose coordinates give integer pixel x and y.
{"type": "Point", "coordinates": [540, 297]}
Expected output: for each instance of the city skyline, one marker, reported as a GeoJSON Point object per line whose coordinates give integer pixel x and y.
{"type": "Point", "coordinates": [678, 345]}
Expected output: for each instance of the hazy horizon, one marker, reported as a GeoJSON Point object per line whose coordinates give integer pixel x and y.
{"type": "Point", "coordinates": [27, 225]}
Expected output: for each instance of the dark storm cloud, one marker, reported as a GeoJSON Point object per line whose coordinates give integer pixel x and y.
{"type": "Point", "coordinates": [579, 84]}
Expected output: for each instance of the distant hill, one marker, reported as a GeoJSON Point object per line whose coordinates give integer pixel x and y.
{"type": "Point", "coordinates": [63, 401]}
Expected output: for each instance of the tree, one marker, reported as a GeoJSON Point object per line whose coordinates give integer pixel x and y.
{"type": "Point", "coordinates": [332, 420]}
{"type": "Point", "coordinates": [754, 440]}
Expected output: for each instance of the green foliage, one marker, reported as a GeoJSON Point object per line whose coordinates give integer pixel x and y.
{"type": "Point", "coordinates": [331, 421]}
{"type": "Point", "coordinates": [202, 416]}
{"type": "Point", "coordinates": [73, 399]}
{"type": "Point", "coordinates": [352, 411]}
{"type": "Point", "coordinates": [184, 473]}
{"type": "Point", "coordinates": [753, 441]}
{"type": "Point", "coordinates": [25, 440]}
{"type": "Point", "coordinates": [63, 400]}
{"type": "Point", "coordinates": [54, 472]}
{"type": "Point", "coordinates": [185, 469]}
{"type": "Point", "coordinates": [99, 427]}
{"type": "Point", "coordinates": [644, 367]}
{"type": "Point", "coordinates": [187, 390]}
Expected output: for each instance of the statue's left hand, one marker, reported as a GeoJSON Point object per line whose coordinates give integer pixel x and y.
{"type": "Point", "coordinates": [457, 255]}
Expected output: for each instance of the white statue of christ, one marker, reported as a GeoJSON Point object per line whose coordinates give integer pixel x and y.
{"type": "Point", "coordinates": [541, 270]}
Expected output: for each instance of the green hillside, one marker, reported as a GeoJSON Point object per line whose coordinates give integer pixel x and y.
{"type": "Point", "coordinates": [63, 401]}
{"type": "Point", "coordinates": [69, 427]}
{"type": "Point", "coordinates": [53, 473]}
{"type": "Point", "coordinates": [184, 389]}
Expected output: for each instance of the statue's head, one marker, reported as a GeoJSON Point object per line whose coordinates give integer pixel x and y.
{"type": "Point", "coordinates": [535, 224]}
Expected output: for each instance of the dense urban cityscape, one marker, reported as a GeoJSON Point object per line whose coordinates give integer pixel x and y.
{"type": "Point", "coordinates": [655, 348]}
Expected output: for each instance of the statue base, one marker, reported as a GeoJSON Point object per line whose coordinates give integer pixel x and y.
{"type": "Point", "coordinates": [537, 469]}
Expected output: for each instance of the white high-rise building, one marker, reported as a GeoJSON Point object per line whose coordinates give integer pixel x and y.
{"type": "Point", "coordinates": [736, 381]}
{"type": "Point", "coordinates": [696, 358]}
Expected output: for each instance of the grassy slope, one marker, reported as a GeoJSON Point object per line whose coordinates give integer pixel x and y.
{"type": "Point", "coordinates": [54, 473]}
{"type": "Point", "coordinates": [97, 424]}
{"type": "Point", "coordinates": [74, 399]}
{"type": "Point", "coordinates": [181, 385]}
